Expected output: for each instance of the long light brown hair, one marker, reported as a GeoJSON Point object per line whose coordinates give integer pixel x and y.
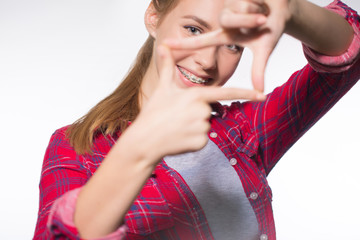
{"type": "Point", "coordinates": [113, 113]}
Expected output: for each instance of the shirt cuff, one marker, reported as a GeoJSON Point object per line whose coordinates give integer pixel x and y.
{"type": "Point", "coordinates": [61, 218]}
{"type": "Point", "coordinates": [337, 64]}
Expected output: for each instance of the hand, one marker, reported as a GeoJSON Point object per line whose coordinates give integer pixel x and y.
{"type": "Point", "coordinates": [256, 24]}
{"type": "Point", "coordinates": [176, 120]}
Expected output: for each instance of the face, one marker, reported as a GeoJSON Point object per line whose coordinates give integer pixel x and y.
{"type": "Point", "coordinates": [208, 66]}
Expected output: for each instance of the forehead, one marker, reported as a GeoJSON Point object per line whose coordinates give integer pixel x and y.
{"type": "Point", "coordinates": [207, 10]}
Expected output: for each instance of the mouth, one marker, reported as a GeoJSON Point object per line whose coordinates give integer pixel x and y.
{"type": "Point", "coordinates": [193, 78]}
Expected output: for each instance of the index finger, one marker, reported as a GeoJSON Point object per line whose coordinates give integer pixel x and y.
{"type": "Point", "coordinates": [217, 37]}
{"type": "Point", "coordinates": [214, 94]}
{"type": "Point", "coordinates": [167, 65]}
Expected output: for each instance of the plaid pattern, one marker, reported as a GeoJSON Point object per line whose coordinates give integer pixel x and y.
{"type": "Point", "coordinates": [255, 134]}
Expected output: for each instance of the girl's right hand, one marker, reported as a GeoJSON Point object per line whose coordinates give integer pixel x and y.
{"type": "Point", "coordinates": [176, 120]}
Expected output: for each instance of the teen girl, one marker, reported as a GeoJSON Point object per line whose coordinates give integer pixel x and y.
{"type": "Point", "coordinates": [161, 159]}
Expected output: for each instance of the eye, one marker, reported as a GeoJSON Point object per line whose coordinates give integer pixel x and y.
{"type": "Point", "coordinates": [193, 30]}
{"type": "Point", "coordinates": [233, 47]}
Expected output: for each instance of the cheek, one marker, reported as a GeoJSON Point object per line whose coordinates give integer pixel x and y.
{"type": "Point", "coordinates": [181, 55]}
{"type": "Point", "coordinates": [227, 68]}
{"type": "Point", "coordinates": [163, 34]}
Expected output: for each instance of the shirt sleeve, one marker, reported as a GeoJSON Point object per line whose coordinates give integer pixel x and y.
{"type": "Point", "coordinates": [291, 109]}
{"type": "Point", "coordinates": [62, 177]}
{"type": "Point", "coordinates": [61, 218]}
{"type": "Point", "coordinates": [336, 64]}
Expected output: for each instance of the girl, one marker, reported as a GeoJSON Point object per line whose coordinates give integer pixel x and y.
{"type": "Point", "coordinates": [144, 162]}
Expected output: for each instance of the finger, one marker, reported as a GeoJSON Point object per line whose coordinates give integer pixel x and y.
{"type": "Point", "coordinates": [214, 94]}
{"type": "Point", "coordinates": [257, 1]}
{"type": "Point", "coordinates": [260, 59]}
{"type": "Point", "coordinates": [245, 7]}
{"type": "Point", "coordinates": [229, 19]}
{"type": "Point", "coordinates": [230, 3]}
{"type": "Point", "coordinates": [167, 65]}
{"type": "Point", "coordinates": [217, 37]}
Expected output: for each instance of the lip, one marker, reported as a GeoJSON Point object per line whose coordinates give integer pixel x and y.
{"type": "Point", "coordinates": [189, 83]}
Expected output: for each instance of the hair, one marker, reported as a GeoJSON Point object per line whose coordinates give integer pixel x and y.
{"type": "Point", "coordinates": [113, 113]}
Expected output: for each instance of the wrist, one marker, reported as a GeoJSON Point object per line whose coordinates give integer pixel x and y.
{"type": "Point", "coordinates": [135, 142]}
{"type": "Point", "coordinates": [294, 15]}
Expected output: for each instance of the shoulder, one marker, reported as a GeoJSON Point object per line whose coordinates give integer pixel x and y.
{"type": "Point", "coordinates": [58, 137]}
{"type": "Point", "coordinates": [60, 133]}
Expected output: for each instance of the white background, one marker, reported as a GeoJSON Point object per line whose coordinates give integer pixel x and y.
{"type": "Point", "coordinates": [59, 58]}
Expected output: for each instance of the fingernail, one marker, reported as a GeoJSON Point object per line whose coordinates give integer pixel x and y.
{"type": "Point", "coordinates": [261, 20]}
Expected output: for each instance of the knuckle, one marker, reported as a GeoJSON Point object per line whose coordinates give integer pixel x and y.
{"type": "Point", "coordinates": [246, 7]}
{"type": "Point", "coordinates": [201, 141]}
{"type": "Point", "coordinates": [242, 7]}
{"type": "Point", "coordinates": [224, 17]}
{"type": "Point", "coordinates": [207, 127]}
{"type": "Point", "coordinates": [203, 110]}
{"type": "Point", "coordinates": [207, 109]}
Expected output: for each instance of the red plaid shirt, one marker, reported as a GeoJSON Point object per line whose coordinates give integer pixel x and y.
{"type": "Point", "coordinates": [256, 135]}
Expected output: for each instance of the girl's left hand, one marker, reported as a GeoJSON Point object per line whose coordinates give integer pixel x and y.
{"type": "Point", "coordinates": [256, 24]}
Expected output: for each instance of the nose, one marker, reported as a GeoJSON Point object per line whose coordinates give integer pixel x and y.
{"type": "Point", "coordinates": [207, 58]}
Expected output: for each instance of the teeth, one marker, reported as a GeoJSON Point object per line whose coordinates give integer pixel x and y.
{"type": "Point", "coordinates": [191, 77]}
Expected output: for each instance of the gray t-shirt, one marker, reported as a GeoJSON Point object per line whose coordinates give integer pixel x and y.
{"type": "Point", "coordinates": [219, 191]}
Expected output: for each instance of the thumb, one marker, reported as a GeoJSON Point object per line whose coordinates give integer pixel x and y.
{"type": "Point", "coordinates": [167, 65]}
{"type": "Point", "coordinates": [260, 59]}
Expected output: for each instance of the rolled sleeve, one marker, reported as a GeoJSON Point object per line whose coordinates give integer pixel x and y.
{"type": "Point", "coordinates": [63, 175]}
{"type": "Point", "coordinates": [61, 218]}
{"type": "Point", "coordinates": [341, 63]}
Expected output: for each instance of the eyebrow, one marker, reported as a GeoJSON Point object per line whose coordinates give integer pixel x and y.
{"type": "Point", "coordinates": [199, 20]}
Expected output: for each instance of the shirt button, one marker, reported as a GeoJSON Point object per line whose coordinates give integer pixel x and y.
{"type": "Point", "coordinates": [233, 161]}
{"type": "Point", "coordinates": [213, 135]}
{"type": "Point", "coordinates": [254, 196]}
{"type": "Point", "coordinates": [263, 237]}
